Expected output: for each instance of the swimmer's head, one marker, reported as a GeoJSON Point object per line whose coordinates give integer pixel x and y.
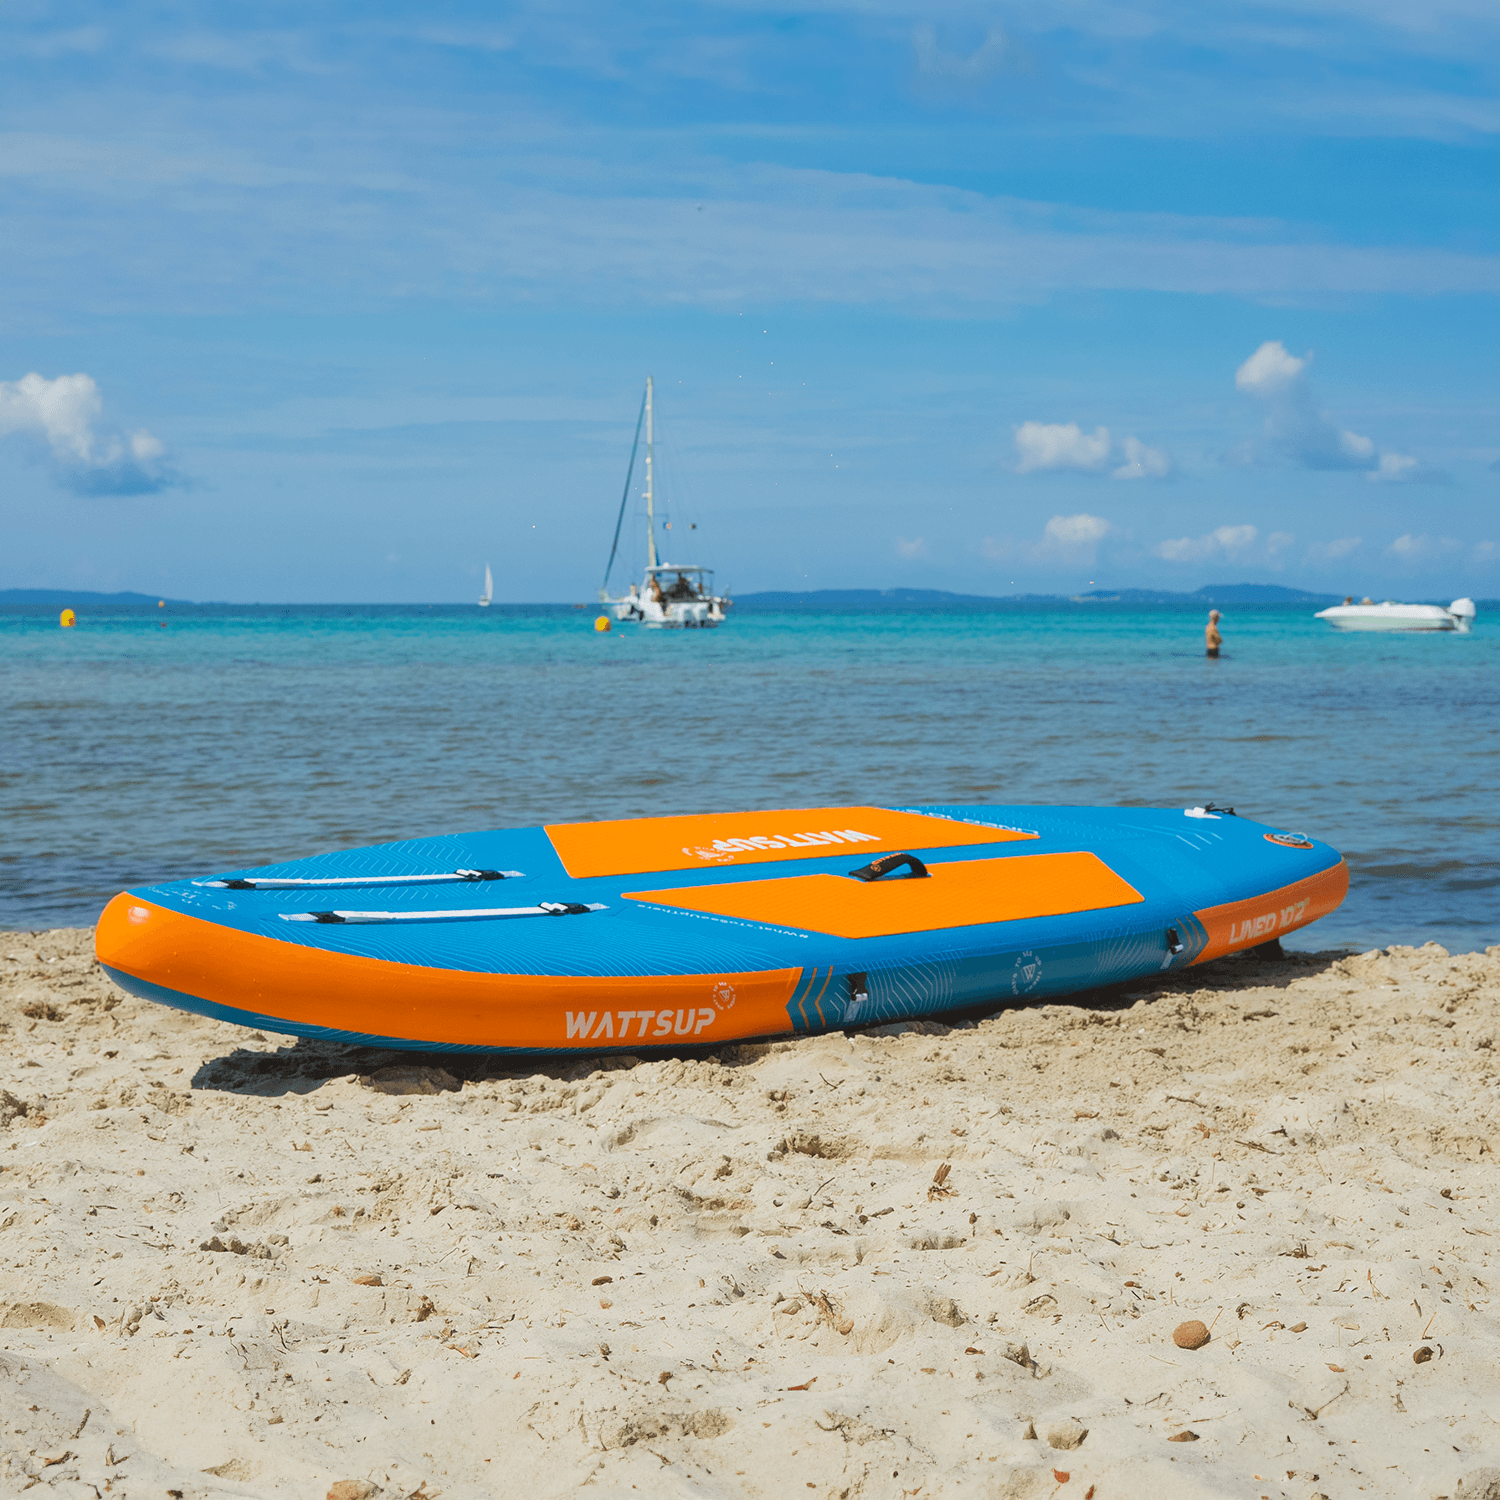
{"type": "Point", "coordinates": [1213, 614]}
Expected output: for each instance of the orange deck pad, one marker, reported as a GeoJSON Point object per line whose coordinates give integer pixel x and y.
{"type": "Point", "coordinates": [956, 895]}
{"type": "Point", "coordinates": [349, 992]}
{"type": "Point", "coordinates": [637, 846]}
{"type": "Point", "coordinates": [1244, 924]}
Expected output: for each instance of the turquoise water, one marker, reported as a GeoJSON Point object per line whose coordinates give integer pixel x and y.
{"type": "Point", "coordinates": [130, 753]}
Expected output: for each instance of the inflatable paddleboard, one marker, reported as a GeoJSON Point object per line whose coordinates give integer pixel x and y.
{"type": "Point", "coordinates": [658, 932]}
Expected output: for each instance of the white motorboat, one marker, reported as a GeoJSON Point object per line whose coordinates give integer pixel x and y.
{"type": "Point", "coordinates": [672, 596]}
{"type": "Point", "coordinates": [1389, 615]}
{"type": "Point", "coordinates": [489, 588]}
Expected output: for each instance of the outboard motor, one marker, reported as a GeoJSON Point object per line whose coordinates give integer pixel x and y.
{"type": "Point", "coordinates": [1463, 613]}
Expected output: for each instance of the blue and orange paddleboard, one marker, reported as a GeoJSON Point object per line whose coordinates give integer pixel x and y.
{"type": "Point", "coordinates": [662, 931]}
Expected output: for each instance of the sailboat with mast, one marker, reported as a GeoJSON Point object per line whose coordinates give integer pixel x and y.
{"type": "Point", "coordinates": [673, 596]}
{"type": "Point", "coordinates": [489, 588]}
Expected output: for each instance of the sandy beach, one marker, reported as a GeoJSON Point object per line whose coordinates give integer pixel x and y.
{"type": "Point", "coordinates": [921, 1259]}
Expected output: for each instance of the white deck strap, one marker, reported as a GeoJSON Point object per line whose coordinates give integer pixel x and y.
{"type": "Point", "coordinates": [545, 909]}
{"type": "Point", "coordinates": [289, 883]}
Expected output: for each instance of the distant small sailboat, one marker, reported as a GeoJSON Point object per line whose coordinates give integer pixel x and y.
{"type": "Point", "coordinates": [489, 588]}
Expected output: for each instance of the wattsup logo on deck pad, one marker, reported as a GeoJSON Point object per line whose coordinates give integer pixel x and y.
{"type": "Point", "coordinates": [725, 849]}
{"type": "Point", "coordinates": [1027, 973]}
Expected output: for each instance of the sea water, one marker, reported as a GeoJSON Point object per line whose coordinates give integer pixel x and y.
{"type": "Point", "coordinates": [146, 745]}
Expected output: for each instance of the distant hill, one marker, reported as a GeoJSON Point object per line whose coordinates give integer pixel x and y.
{"type": "Point", "coordinates": [1213, 593]}
{"type": "Point", "coordinates": [1217, 593]}
{"type": "Point", "coordinates": [64, 597]}
{"type": "Point", "coordinates": [832, 598]}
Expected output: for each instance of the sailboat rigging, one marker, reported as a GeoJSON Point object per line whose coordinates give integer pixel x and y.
{"type": "Point", "coordinates": [489, 588]}
{"type": "Point", "coordinates": [673, 596]}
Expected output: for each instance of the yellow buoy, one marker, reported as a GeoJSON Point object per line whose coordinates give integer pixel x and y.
{"type": "Point", "coordinates": [602, 623]}
{"type": "Point", "coordinates": [67, 619]}
{"type": "Point", "coordinates": [161, 603]}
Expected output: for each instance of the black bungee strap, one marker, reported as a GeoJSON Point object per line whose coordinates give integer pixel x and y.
{"type": "Point", "coordinates": [888, 862]}
{"type": "Point", "coordinates": [293, 882]}
{"type": "Point", "coordinates": [541, 909]}
{"type": "Point", "coordinates": [302, 883]}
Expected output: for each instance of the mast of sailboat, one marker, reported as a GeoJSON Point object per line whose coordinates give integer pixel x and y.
{"type": "Point", "coordinates": [650, 499]}
{"type": "Point", "coordinates": [624, 499]}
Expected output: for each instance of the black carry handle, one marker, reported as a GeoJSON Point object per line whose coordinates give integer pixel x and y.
{"type": "Point", "coordinates": [888, 862]}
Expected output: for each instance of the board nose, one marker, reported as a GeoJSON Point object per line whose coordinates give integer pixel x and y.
{"type": "Point", "coordinates": [128, 931]}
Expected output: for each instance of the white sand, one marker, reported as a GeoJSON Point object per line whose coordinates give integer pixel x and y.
{"type": "Point", "coordinates": [791, 1306]}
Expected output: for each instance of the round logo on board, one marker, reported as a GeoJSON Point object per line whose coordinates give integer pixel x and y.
{"type": "Point", "coordinates": [724, 995]}
{"type": "Point", "coordinates": [1027, 973]}
{"type": "Point", "coordinates": [1290, 840]}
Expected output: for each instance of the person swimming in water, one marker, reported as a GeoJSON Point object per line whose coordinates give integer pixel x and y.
{"type": "Point", "coordinates": [1212, 640]}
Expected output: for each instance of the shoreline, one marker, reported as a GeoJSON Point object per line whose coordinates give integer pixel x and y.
{"type": "Point", "coordinates": [264, 1266]}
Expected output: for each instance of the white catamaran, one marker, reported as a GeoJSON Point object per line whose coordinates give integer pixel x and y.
{"type": "Point", "coordinates": [489, 588]}
{"type": "Point", "coordinates": [673, 596]}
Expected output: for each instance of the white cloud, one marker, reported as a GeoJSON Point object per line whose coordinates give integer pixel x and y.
{"type": "Point", "coordinates": [1332, 551]}
{"type": "Point", "coordinates": [1076, 531]}
{"type": "Point", "coordinates": [1065, 540]}
{"type": "Point", "coordinates": [1234, 538]}
{"type": "Point", "coordinates": [914, 548]}
{"type": "Point", "coordinates": [1395, 468]}
{"type": "Point", "coordinates": [603, 220]}
{"type": "Point", "coordinates": [1486, 552]}
{"type": "Point", "coordinates": [62, 409]}
{"type": "Point", "coordinates": [1142, 462]}
{"type": "Point", "coordinates": [1223, 541]}
{"type": "Point", "coordinates": [1409, 548]}
{"type": "Point", "coordinates": [963, 70]}
{"type": "Point", "coordinates": [1269, 370]}
{"type": "Point", "coordinates": [1297, 430]}
{"type": "Point", "coordinates": [1185, 549]}
{"type": "Point", "coordinates": [64, 412]}
{"type": "Point", "coordinates": [1279, 541]}
{"type": "Point", "coordinates": [1072, 540]}
{"type": "Point", "coordinates": [1060, 445]}
{"type": "Point", "coordinates": [1065, 445]}
{"type": "Point", "coordinates": [1402, 468]}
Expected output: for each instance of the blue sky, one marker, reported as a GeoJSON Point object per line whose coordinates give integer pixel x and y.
{"type": "Point", "coordinates": [339, 302]}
